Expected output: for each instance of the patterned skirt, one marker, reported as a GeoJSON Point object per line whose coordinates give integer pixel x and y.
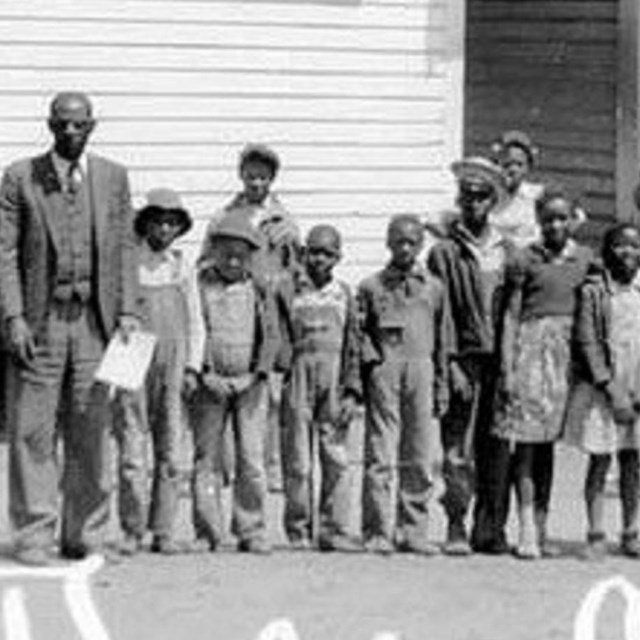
{"type": "Point", "coordinates": [535, 410]}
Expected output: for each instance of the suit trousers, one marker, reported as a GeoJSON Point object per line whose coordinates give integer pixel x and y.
{"type": "Point", "coordinates": [246, 415]}
{"type": "Point", "coordinates": [58, 388]}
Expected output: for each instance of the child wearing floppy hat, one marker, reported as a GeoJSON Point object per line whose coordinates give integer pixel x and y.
{"type": "Point", "coordinates": [170, 308]}
{"type": "Point", "coordinates": [241, 343]}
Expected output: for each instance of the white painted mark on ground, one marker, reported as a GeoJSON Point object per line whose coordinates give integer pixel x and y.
{"type": "Point", "coordinates": [283, 629]}
{"type": "Point", "coordinates": [585, 624]}
{"type": "Point", "coordinates": [16, 623]}
{"type": "Point", "coordinates": [77, 594]}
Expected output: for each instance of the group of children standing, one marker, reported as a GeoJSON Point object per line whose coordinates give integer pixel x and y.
{"type": "Point", "coordinates": [489, 353]}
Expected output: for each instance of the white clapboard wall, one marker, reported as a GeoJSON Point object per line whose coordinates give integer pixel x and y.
{"type": "Point", "coordinates": [361, 98]}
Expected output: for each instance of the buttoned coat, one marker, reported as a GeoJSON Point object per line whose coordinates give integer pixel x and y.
{"type": "Point", "coordinates": [31, 213]}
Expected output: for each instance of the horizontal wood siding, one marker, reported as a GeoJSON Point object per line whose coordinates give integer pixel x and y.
{"type": "Point", "coordinates": [549, 67]}
{"type": "Point", "coordinates": [361, 99]}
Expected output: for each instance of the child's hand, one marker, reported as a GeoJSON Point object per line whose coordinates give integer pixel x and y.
{"type": "Point", "coordinates": [190, 383]}
{"type": "Point", "coordinates": [621, 406]}
{"type": "Point", "coordinates": [348, 410]}
{"type": "Point", "coordinates": [460, 382]}
{"type": "Point", "coordinates": [240, 384]}
{"type": "Point", "coordinates": [217, 386]}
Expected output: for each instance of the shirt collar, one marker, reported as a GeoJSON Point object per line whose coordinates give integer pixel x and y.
{"type": "Point", "coordinates": [417, 272]}
{"type": "Point", "coordinates": [492, 237]}
{"type": "Point", "coordinates": [303, 281]}
{"type": "Point", "coordinates": [569, 251]}
{"type": "Point", "coordinates": [148, 256]}
{"type": "Point", "coordinates": [62, 164]}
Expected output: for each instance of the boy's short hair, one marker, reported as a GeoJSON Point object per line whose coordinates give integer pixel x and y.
{"type": "Point", "coordinates": [262, 153]}
{"type": "Point", "coordinates": [319, 229]}
{"type": "Point", "coordinates": [402, 219]}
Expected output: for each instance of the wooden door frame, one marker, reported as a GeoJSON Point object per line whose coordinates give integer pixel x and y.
{"type": "Point", "coordinates": [628, 110]}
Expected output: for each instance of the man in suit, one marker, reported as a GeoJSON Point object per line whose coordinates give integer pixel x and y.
{"type": "Point", "coordinates": [67, 283]}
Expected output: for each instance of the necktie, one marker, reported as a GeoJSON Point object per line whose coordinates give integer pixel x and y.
{"type": "Point", "coordinates": [74, 178]}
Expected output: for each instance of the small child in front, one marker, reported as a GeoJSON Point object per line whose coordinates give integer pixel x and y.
{"type": "Point", "coordinates": [170, 309]}
{"type": "Point", "coordinates": [603, 412]}
{"type": "Point", "coordinates": [320, 395]}
{"type": "Point", "coordinates": [241, 342]}
{"type": "Point", "coordinates": [405, 346]}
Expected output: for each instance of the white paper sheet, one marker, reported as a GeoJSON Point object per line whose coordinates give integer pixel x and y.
{"type": "Point", "coordinates": [125, 365]}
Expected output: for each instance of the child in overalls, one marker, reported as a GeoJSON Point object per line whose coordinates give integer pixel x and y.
{"type": "Point", "coordinates": [240, 349]}
{"type": "Point", "coordinates": [171, 311]}
{"type": "Point", "coordinates": [320, 396]}
{"type": "Point", "coordinates": [258, 168]}
{"type": "Point", "coordinates": [404, 356]}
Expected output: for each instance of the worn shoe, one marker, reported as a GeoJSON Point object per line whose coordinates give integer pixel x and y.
{"type": "Point", "coordinates": [35, 557]}
{"type": "Point", "coordinates": [459, 547]}
{"type": "Point", "coordinates": [130, 545]}
{"type": "Point", "coordinates": [339, 542]}
{"type": "Point", "coordinates": [259, 546]}
{"type": "Point", "coordinates": [529, 551]}
{"type": "Point", "coordinates": [165, 545]}
{"type": "Point", "coordinates": [596, 548]}
{"type": "Point", "coordinates": [457, 543]}
{"type": "Point", "coordinates": [423, 548]}
{"type": "Point", "coordinates": [300, 544]}
{"type": "Point", "coordinates": [630, 545]}
{"type": "Point", "coordinates": [380, 545]}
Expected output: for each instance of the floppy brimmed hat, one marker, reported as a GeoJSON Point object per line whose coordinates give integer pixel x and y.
{"type": "Point", "coordinates": [236, 224]}
{"type": "Point", "coordinates": [159, 201]}
{"type": "Point", "coordinates": [262, 152]}
{"type": "Point", "coordinates": [477, 171]}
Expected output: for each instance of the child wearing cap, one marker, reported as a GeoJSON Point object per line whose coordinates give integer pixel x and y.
{"type": "Point", "coordinates": [319, 396]}
{"type": "Point", "coordinates": [170, 308]}
{"type": "Point", "coordinates": [258, 168]}
{"type": "Point", "coordinates": [241, 343]}
{"type": "Point", "coordinates": [471, 263]}
{"type": "Point", "coordinates": [405, 344]}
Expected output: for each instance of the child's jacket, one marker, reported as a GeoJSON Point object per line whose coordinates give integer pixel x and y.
{"type": "Point", "coordinates": [591, 355]}
{"type": "Point", "coordinates": [453, 261]}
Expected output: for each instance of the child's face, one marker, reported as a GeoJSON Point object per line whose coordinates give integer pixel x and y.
{"type": "Point", "coordinates": [321, 256]}
{"type": "Point", "coordinates": [256, 177]}
{"type": "Point", "coordinates": [232, 258]}
{"type": "Point", "coordinates": [404, 242]}
{"type": "Point", "coordinates": [163, 229]}
{"type": "Point", "coordinates": [516, 166]}
{"type": "Point", "coordinates": [555, 222]}
{"type": "Point", "coordinates": [623, 257]}
{"type": "Point", "coordinates": [476, 200]}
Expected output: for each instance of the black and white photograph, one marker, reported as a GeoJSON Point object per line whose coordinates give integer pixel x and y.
{"type": "Point", "coordinates": [319, 319]}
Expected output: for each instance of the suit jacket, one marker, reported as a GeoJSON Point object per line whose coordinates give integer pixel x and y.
{"type": "Point", "coordinates": [31, 205]}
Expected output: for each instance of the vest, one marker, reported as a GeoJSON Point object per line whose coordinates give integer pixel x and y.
{"type": "Point", "coordinates": [74, 265]}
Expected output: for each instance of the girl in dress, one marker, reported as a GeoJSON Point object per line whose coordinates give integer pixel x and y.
{"type": "Point", "coordinates": [518, 156]}
{"type": "Point", "coordinates": [541, 283]}
{"type": "Point", "coordinates": [604, 403]}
